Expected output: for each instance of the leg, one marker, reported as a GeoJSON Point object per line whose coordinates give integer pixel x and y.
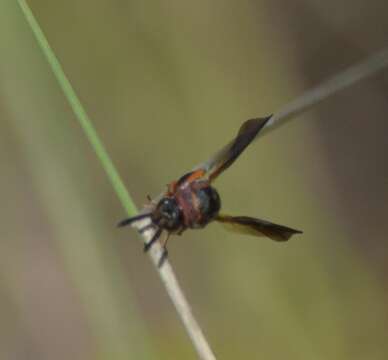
{"type": "Point", "coordinates": [164, 255]}
{"type": "Point", "coordinates": [180, 232]}
{"type": "Point", "coordinates": [147, 227]}
{"type": "Point", "coordinates": [132, 219]}
{"type": "Point", "coordinates": [156, 236]}
{"type": "Point", "coordinates": [148, 204]}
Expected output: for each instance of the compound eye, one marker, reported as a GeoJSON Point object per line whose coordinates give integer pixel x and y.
{"type": "Point", "coordinates": [170, 212]}
{"type": "Point", "coordinates": [168, 208]}
{"type": "Point", "coordinates": [168, 203]}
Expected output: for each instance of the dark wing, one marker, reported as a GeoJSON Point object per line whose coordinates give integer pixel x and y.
{"type": "Point", "coordinates": [221, 160]}
{"type": "Point", "coordinates": [257, 227]}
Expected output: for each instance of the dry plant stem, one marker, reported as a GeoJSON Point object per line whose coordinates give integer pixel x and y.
{"type": "Point", "coordinates": [310, 98]}
{"type": "Point", "coordinates": [175, 292]}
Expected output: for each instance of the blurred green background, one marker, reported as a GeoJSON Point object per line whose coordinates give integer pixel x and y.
{"type": "Point", "coordinates": [167, 83]}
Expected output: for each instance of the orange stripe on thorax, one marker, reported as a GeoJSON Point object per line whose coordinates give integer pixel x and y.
{"type": "Point", "coordinates": [197, 174]}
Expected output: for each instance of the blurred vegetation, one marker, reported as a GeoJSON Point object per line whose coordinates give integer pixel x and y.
{"type": "Point", "coordinates": [166, 84]}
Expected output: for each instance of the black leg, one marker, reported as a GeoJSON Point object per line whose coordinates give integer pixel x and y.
{"type": "Point", "coordinates": [163, 257]}
{"type": "Point", "coordinates": [156, 236]}
{"type": "Point", "coordinates": [132, 219]}
{"type": "Point", "coordinates": [180, 232]}
{"type": "Point", "coordinates": [147, 227]}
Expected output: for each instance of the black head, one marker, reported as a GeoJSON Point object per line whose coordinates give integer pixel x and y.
{"type": "Point", "coordinates": [167, 214]}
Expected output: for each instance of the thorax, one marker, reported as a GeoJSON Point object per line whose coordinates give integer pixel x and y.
{"type": "Point", "coordinates": [199, 201]}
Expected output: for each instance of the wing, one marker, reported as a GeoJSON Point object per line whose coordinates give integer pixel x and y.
{"type": "Point", "coordinates": [225, 157]}
{"type": "Point", "coordinates": [222, 159]}
{"type": "Point", "coordinates": [257, 227]}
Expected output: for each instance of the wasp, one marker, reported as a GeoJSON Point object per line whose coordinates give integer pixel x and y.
{"type": "Point", "coordinates": [192, 202]}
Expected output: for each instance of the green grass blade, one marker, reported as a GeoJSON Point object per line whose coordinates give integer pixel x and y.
{"type": "Point", "coordinates": [166, 273]}
{"type": "Point", "coordinates": [79, 111]}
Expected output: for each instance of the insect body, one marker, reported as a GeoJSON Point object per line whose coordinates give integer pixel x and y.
{"type": "Point", "coordinates": [192, 202]}
{"type": "Point", "coordinates": [197, 201]}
